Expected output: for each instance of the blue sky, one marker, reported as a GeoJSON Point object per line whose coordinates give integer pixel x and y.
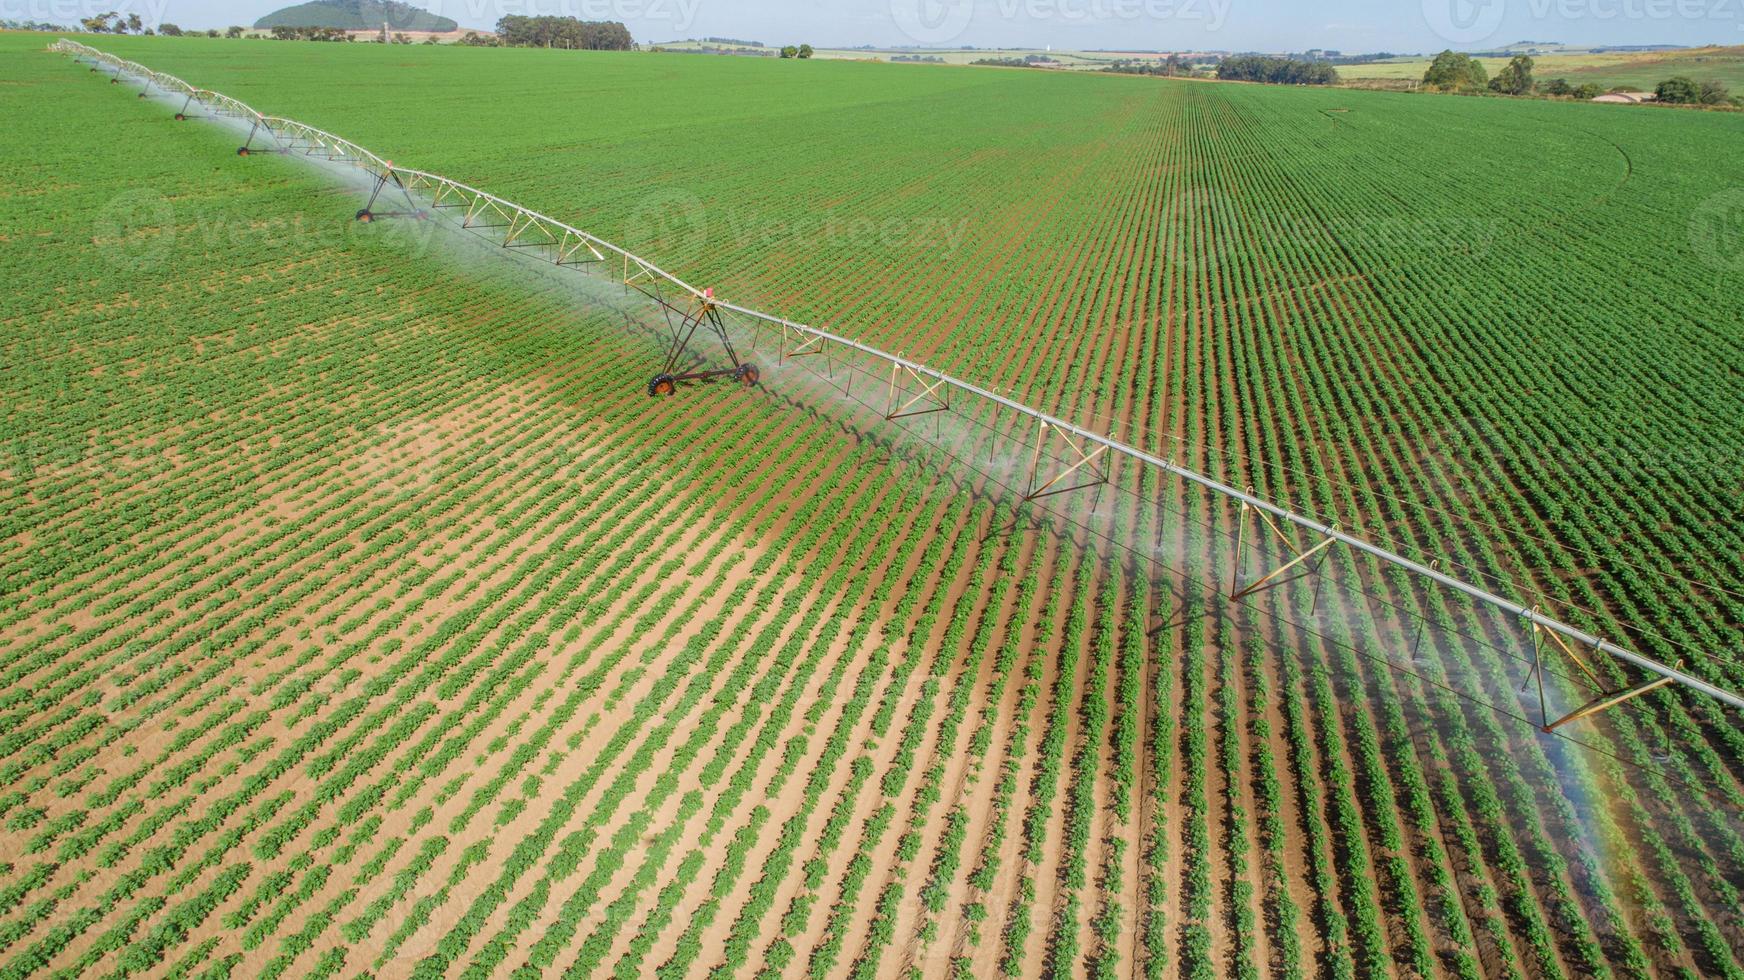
{"type": "Point", "coordinates": [1270, 25]}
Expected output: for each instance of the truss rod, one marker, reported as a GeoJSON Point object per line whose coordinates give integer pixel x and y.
{"type": "Point", "coordinates": [1261, 582]}
{"type": "Point", "coordinates": [1473, 592]}
{"type": "Point", "coordinates": [1605, 704]}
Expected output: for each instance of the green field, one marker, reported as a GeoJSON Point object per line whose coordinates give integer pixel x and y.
{"type": "Point", "coordinates": [361, 615]}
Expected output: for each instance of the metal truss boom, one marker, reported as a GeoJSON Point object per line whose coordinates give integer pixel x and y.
{"type": "Point", "coordinates": [563, 244]}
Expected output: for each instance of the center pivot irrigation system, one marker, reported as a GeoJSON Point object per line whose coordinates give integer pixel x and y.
{"type": "Point", "coordinates": [1078, 460]}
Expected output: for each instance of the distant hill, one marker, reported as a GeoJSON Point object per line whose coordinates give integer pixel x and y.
{"type": "Point", "coordinates": [357, 15]}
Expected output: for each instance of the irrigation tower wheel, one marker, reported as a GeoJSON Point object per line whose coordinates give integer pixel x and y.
{"type": "Point", "coordinates": [663, 384]}
{"type": "Point", "coordinates": [748, 375]}
{"type": "Point", "coordinates": [365, 216]}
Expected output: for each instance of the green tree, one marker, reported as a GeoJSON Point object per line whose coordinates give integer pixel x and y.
{"type": "Point", "coordinates": [1678, 91]}
{"type": "Point", "coordinates": [1588, 90]}
{"type": "Point", "coordinates": [1515, 78]}
{"type": "Point", "coordinates": [516, 31]}
{"type": "Point", "coordinates": [233, 31]}
{"type": "Point", "coordinates": [790, 52]}
{"type": "Point", "coordinates": [1276, 71]}
{"type": "Point", "coordinates": [1454, 72]}
{"type": "Point", "coordinates": [1558, 87]}
{"type": "Point", "coordinates": [805, 51]}
{"type": "Point", "coordinates": [170, 30]}
{"type": "Point", "coordinates": [1714, 93]}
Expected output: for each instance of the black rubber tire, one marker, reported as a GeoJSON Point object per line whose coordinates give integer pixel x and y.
{"type": "Point", "coordinates": [662, 384]}
{"type": "Point", "coordinates": [181, 117]}
{"type": "Point", "coordinates": [242, 151]}
{"type": "Point", "coordinates": [365, 216]}
{"type": "Point", "coordinates": [749, 375]}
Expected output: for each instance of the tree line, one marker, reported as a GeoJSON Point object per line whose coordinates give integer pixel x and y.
{"type": "Point", "coordinates": [284, 33]}
{"type": "Point", "coordinates": [1276, 71]}
{"type": "Point", "coordinates": [1027, 61]}
{"type": "Point", "coordinates": [1235, 68]}
{"type": "Point", "coordinates": [1452, 71]}
{"type": "Point", "coordinates": [517, 31]}
{"type": "Point", "coordinates": [1682, 90]}
{"type": "Point", "coordinates": [113, 23]}
{"type": "Point", "coordinates": [1172, 66]}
